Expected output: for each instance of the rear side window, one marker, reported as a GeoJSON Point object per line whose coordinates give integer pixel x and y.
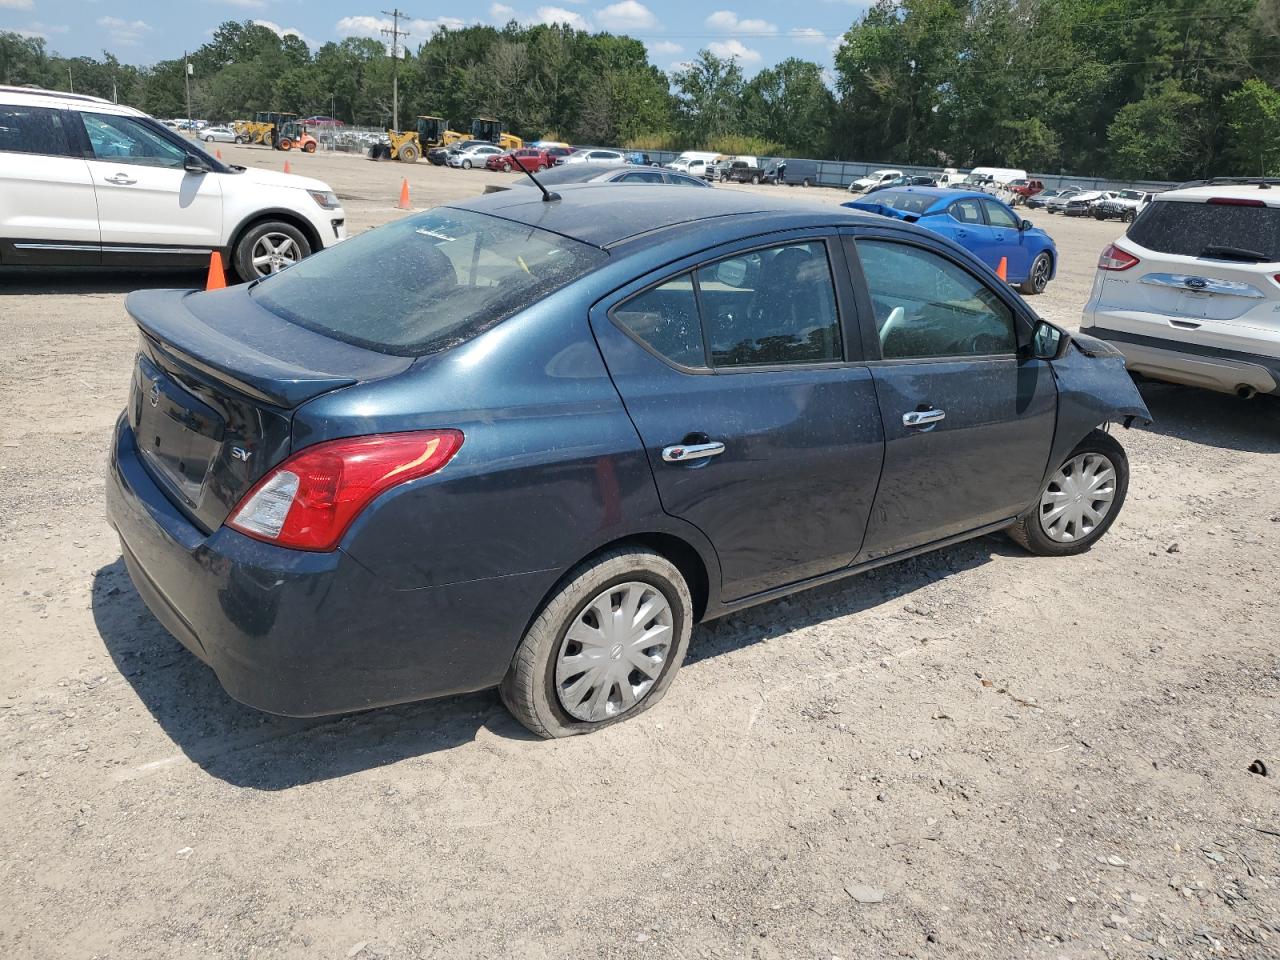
{"type": "Point", "coordinates": [33, 130]}
{"type": "Point", "coordinates": [425, 283]}
{"type": "Point", "coordinates": [666, 319]}
{"type": "Point", "coordinates": [906, 202]}
{"type": "Point", "coordinates": [1196, 229]}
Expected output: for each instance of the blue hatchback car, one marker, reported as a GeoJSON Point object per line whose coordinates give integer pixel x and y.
{"type": "Point", "coordinates": [528, 442]}
{"type": "Point", "coordinates": [978, 222]}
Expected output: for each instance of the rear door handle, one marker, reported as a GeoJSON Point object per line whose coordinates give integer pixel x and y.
{"type": "Point", "coordinates": [923, 418]}
{"type": "Point", "coordinates": [119, 180]}
{"type": "Point", "coordinates": [684, 452]}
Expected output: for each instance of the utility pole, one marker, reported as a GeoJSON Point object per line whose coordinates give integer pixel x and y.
{"type": "Point", "coordinates": [395, 33]}
{"type": "Point", "coordinates": [71, 87]}
{"type": "Point", "coordinates": [187, 70]}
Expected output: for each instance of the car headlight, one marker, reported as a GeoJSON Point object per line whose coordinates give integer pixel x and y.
{"type": "Point", "coordinates": [325, 198]}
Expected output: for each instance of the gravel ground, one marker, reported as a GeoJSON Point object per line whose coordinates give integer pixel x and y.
{"type": "Point", "coordinates": [973, 754]}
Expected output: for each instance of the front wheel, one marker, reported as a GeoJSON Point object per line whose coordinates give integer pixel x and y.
{"type": "Point", "coordinates": [309, 148]}
{"type": "Point", "coordinates": [506, 168]}
{"type": "Point", "coordinates": [466, 164]}
{"type": "Point", "coordinates": [268, 248]}
{"type": "Point", "coordinates": [285, 144]}
{"type": "Point", "coordinates": [605, 647]}
{"type": "Point", "coordinates": [1038, 278]}
{"type": "Point", "coordinates": [242, 140]}
{"type": "Point", "coordinates": [1080, 501]}
{"type": "Point", "coordinates": [208, 139]}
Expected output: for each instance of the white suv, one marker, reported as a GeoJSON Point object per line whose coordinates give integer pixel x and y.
{"type": "Point", "coordinates": [1191, 293]}
{"type": "Point", "coordinates": [87, 182]}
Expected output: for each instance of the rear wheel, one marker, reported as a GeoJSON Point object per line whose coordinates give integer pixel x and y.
{"type": "Point", "coordinates": [1080, 501]}
{"type": "Point", "coordinates": [755, 178]}
{"type": "Point", "coordinates": [310, 147]}
{"type": "Point", "coordinates": [1130, 216]}
{"type": "Point", "coordinates": [268, 248]}
{"type": "Point", "coordinates": [1038, 278]}
{"type": "Point", "coordinates": [605, 647]}
{"type": "Point", "coordinates": [806, 182]}
{"type": "Point", "coordinates": [286, 144]}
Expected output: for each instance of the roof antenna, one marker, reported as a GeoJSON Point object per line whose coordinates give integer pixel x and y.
{"type": "Point", "coordinates": [547, 196]}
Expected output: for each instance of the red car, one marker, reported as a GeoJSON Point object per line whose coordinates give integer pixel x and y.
{"type": "Point", "coordinates": [1026, 188]}
{"type": "Point", "coordinates": [527, 159]}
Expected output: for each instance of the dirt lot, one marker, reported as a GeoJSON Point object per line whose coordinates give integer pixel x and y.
{"type": "Point", "coordinates": [974, 754]}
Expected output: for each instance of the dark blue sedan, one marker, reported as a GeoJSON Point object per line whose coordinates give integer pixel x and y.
{"type": "Point", "coordinates": [979, 223]}
{"type": "Point", "coordinates": [528, 443]}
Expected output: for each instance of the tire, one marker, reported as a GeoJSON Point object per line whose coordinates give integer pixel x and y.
{"type": "Point", "coordinates": [1130, 216]}
{"type": "Point", "coordinates": [309, 148]}
{"type": "Point", "coordinates": [242, 140]}
{"type": "Point", "coordinates": [506, 168]}
{"type": "Point", "coordinates": [285, 144]}
{"type": "Point", "coordinates": [531, 688]}
{"type": "Point", "coordinates": [755, 178]}
{"type": "Point", "coordinates": [806, 183]}
{"type": "Point", "coordinates": [271, 233]}
{"type": "Point", "coordinates": [1038, 277]}
{"type": "Point", "coordinates": [1029, 529]}
{"type": "Point", "coordinates": [466, 164]}
{"type": "Point", "coordinates": [408, 153]}
{"type": "Point", "coordinates": [208, 139]}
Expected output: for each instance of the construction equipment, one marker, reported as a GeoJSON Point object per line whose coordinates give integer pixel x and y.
{"type": "Point", "coordinates": [487, 128]}
{"type": "Point", "coordinates": [409, 145]}
{"type": "Point", "coordinates": [264, 128]}
{"type": "Point", "coordinates": [294, 134]}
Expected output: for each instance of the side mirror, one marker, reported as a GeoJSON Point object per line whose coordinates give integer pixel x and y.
{"type": "Point", "coordinates": [194, 164]}
{"type": "Point", "coordinates": [1048, 342]}
{"type": "Point", "coordinates": [1026, 225]}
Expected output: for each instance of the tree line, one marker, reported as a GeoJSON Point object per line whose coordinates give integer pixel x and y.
{"type": "Point", "coordinates": [1139, 89]}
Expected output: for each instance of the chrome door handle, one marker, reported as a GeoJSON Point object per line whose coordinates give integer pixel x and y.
{"type": "Point", "coordinates": [923, 418]}
{"type": "Point", "coordinates": [120, 180]}
{"type": "Point", "coordinates": [683, 452]}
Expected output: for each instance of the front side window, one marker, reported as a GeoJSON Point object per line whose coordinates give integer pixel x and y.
{"type": "Point", "coordinates": [666, 319]}
{"type": "Point", "coordinates": [998, 215]}
{"type": "Point", "coordinates": [927, 307]}
{"type": "Point", "coordinates": [127, 140]}
{"type": "Point", "coordinates": [771, 306]}
{"type": "Point", "coordinates": [33, 130]}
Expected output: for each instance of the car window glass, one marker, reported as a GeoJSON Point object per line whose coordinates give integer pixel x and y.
{"type": "Point", "coordinates": [771, 306]}
{"type": "Point", "coordinates": [33, 130]}
{"type": "Point", "coordinates": [926, 306]}
{"type": "Point", "coordinates": [642, 178]}
{"type": "Point", "coordinates": [966, 211]}
{"type": "Point", "coordinates": [1195, 229]}
{"type": "Point", "coordinates": [999, 216]}
{"type": "Point", "coordinates": [682, 181]}
{"type": "Point", "coordinates": [666, 318]}
{"type": "Point", "coordinates": [128, 141]}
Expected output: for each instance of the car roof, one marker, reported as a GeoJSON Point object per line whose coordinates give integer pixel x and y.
{"type": "Point", "coordinates": [1270, 195]}
{"type": "Point", "coordinates": [941, 193]}
{"type": "Point", "coordinates": [37, 96]}
{"type": "Point", "coordinates": [606, 214]}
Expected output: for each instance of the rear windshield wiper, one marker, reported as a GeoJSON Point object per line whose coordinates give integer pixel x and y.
{"type": "Point", "coordinates": [1215, 252]}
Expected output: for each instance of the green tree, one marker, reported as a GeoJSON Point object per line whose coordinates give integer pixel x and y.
{"type": "Point", "coordinates": [1156, 137]}
{"type": "Point", "coordinates": [708, 97]}
{"type": "Point", "coordinates": [790, 104]}
{"type": "Point", "coordinates": [1253, 121]}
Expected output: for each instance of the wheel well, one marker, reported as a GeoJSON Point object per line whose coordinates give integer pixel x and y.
{"type": "Point", "coordinates": [282, 216]}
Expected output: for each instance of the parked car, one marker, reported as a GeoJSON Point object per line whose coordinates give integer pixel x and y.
{"type": "Point", "coordinates": [640, 160]}
{"type": "Point", "coordinates": [1024, 189]}
{"type": "Point", "coordinates": [742, 170]}
{"type": "Point", "coordinates": [694, 167]}
{"type": "Point", "coordinates": [591, 155]}
{"type": "Point", "coordinates": [1058, 204]}
{"type": "Point", "coordinates": [1081, 205]}
{"type": "Point", "coordinates": [914, 180]}
{"type": "Point", "coordinates": [1189, 292]}
{"type": "Point", "coordinates": [476, 156]}
{"type": "Point", "coordinates": [608, 173]}
{"type": "Point", "coordinates": [526, 159]}
{"type": "Point", "coordinates": [1123, 205]}
{"type": "Point", "coordinates": [558, 154]}
{"type": "Point", "coordinates": [221, 135]}
{"type": "Point", "coordinates": [87, 182]}
{"type": "Point", "coordinates": [1043, 198]}
{"type": "Point", "coordinates": [992, 176]}
{"type": "Point", "coordinates": [475, 448]}
{"type": "Point", "coordinates": [439, 156]}
{"type": "Point", "coordinates": [803, 173]}
{"type": "Point", "coordinates": [863, 184]}
{"type": "Point", "coordinates": [981, 224]}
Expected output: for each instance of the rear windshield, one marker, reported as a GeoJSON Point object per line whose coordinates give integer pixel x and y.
{"type": "Point", "coordinates": [906, 202]}
{"type": "Point", "coordinates": [1212, 230]}
{"type": "Point", "coordinates": [425, 283]}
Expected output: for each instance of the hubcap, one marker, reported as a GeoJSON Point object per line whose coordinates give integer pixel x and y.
{"type": "Point", "coordinates": [273, 252]}
{"type": "Point", "coordinates": [614, 652]}
{"type": "Point", "coordinates": [1078, 498]}
{"type": "Point", "coordinates": [1041, 272]}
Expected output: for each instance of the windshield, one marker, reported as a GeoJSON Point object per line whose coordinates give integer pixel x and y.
{"type": "Point", "coordinates": [906, 202]}
{"type": "Point", "coordinates": [425, 283]}
{"type": "Point", "coordinates": [1216, 231]}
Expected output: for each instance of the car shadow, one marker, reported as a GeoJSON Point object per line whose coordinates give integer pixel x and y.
{"type": "Point", "coordinates": [1213, 419]}
{"type": "Point", "coordinates": [29, 282]}
{"type": "Point", "coordinates": [247, 748]}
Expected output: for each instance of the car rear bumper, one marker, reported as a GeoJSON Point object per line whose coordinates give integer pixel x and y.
{"type": "Point", "coordinates": [307, 634]}
{"type": "Point", "coordinates": [1225, 371]}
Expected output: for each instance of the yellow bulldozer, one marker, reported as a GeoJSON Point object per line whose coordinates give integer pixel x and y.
{"type": "Point", "coordinates": [409, 145]}
{"type": "Point", "coordinates": [264, 127]}
{"type": "Point", "coordinates": [487, 128]}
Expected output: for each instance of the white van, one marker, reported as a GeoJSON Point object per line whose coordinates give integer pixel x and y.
{"type": "Point", "coordinates": [687, 158]}
{"type": "Point", "coordinates": [1000, 176]}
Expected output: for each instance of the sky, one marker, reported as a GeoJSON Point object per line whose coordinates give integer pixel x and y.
{"type": "Point", "coordinates": [759, 34]}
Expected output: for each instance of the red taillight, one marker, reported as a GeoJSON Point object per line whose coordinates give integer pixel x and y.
{"type": "Point", "coordinates": [308, 501]}
{"type": "Point", "coordinates": [1113, 258]}
{"type": "Point", "coordinates": [1235, 202]}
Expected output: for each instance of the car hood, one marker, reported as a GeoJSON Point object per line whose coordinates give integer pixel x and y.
{"type": "Point", "coordinates": [271, 178]}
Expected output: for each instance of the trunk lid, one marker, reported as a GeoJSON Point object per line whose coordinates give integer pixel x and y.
{"type": "Point", "coordinates": [215, 385]}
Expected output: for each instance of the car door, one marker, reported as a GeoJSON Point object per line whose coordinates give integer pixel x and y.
{"type": "Point", "coordinates": [968, 421]}
{"type": "Point", "coordinates": [968, 226]}
{"type": "Point", "coordinates": [1007, 241]}
{"type": "Point", "coordinates": [152, 211]}
{"type": "Point", "coordinates": [48, 209]}
{"type": "Point", "coordinates": [758, 418]}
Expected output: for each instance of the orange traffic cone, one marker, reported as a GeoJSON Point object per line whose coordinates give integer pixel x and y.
{"type": "Point", "coordinates": [217, 153]}
{"type": "Point", "coordinates": [286, 165]}
{"type": "Point", "coordinates": [217, 276]}
{"type": "Point", "coordinates": [404, 194]}
{"type": "Point", "coordinates": [1002, 271]}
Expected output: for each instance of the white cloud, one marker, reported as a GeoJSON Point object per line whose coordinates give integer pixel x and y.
{"type": "Point", "coordinates": [419, 30]}
{"type": "Point", "coordinates": [627, 15]}
{"type": "Point", "coordinates": [553, 15]}
{"type": "Point", "coordinates": [42, 31]}
{"type": "Point", "coordinates": [16, 5]}
{"type": "Point", "coordinates": [727, 21]}
{"type": "Point", "coordinates": [807, 35]}
{"type": "Point", "coordinates": [500, 11]}
{"type": "Point", "coordinates": [124, 32]}
{"type": "Point", "coordinates": [665, 48]}
{"type": "Point", "coordinates": [246, 3]}
{"type": "Point", "coordinates": [734, 49]}
{"type": "Point", "coordinates": [280, 31]}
